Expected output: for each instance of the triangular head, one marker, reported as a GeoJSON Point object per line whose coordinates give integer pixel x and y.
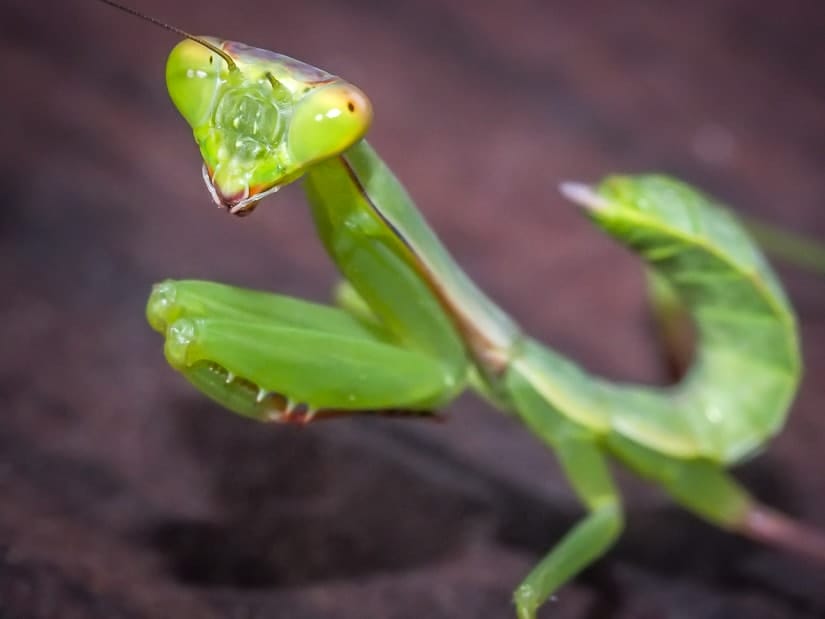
{"type": "Point", "coordinates": [259, 118]}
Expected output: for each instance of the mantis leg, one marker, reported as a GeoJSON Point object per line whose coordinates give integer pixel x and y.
{"type": "Point", "coordinates": [580, 455]}
{"type": "Point", "coordinates": [711, 493]}
{"type": "Point", "coordinates": [585, 467]}
{"type": "Point", "coordinates": [281, 359]}
{"type": "Point", "coordinates": [674, 328]}
{"type": "Point", "coordinates": [702, 487]}
{"type": "Point", "coordinates": [348, 299]}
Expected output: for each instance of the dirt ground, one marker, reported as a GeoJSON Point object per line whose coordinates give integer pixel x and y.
{"type": "Point", "coordinates": [124, 494]}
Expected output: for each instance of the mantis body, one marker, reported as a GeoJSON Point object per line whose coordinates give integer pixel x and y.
{"type": "Point", "coordinates": [413, 332]}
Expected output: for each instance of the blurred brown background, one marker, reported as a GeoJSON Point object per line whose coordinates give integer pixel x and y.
{"type": "Point", "coordinates": [123, 494]}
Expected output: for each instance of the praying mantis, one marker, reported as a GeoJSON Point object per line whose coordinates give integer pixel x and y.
{"type": "Point", "coordinates": [411, 331]}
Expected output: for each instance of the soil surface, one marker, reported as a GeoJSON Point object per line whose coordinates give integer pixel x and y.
{"type": "Point", "coordinates": [126, 495]}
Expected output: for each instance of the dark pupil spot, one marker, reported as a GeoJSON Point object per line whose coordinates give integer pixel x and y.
{"type": "Point", "coordinates": [350, 106]}
{"type": "Point", "coordinates": [210, 60]}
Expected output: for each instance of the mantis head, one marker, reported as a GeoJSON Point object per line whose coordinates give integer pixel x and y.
{"type": "Point", "coordinates": [259, 118]}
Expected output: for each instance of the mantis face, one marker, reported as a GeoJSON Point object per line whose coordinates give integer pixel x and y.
{"type": "Point", "coordinates": [259, 118]}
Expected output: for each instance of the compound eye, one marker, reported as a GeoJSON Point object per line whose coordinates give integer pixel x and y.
{"type": "Point", "coordinates": [327, 121]}
{"type": "Point", "coordinates": [192, 77]}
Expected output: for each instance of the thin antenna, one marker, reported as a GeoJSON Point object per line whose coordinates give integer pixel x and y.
{"type": "Point", "coordinates": [126, 9]}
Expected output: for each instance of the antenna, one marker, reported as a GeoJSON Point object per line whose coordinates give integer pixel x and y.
{"type": "Point", "coordinates": [126, 9]}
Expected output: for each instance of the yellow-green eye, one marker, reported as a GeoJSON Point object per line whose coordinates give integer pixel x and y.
{"type": "Point", "coordinates": [327, 121]}
{"type": "Point", "coordinates": [192, 77]}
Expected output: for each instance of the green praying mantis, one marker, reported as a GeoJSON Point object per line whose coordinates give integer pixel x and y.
{"type": "Point", "coordinates": [411, 331]}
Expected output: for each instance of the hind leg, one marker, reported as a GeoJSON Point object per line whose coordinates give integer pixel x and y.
{"type": "Point", "coordinates": [586, 469]}
{"type": "Point", "coordinates": [711, 493]}
{"type": "Point", "coordinates": [674, 329]}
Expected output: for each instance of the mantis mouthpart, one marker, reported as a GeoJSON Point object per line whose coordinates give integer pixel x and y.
{"type": "Point", "coordinates": [413, 331]}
